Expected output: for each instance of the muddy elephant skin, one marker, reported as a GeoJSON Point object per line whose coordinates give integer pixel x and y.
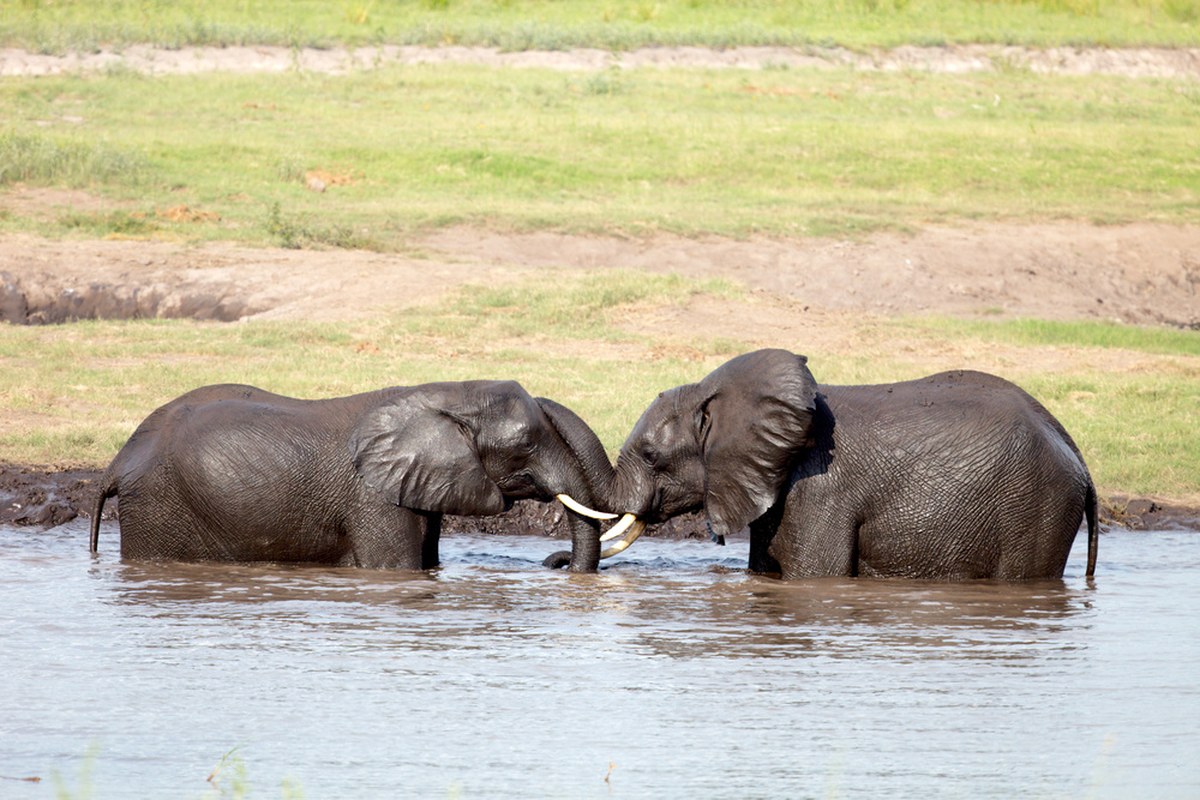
{"type": "Point", "coordinates": [235, 473]}
{"type": "Point", "coordinates": [960, 475]}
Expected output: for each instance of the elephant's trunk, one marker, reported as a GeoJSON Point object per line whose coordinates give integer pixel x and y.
{"type": "Point", "coordinates": [588, 483]}
{"type": "Point", "coordinates": [631, 494]}
{"type": "Point", "coordinates": [631, 490]}
{"type": "Point", "coordinates": [626, 531]}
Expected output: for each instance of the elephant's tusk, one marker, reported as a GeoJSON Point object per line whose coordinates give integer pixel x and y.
{"type": "Point", "coordinates": [581, 509]}
{"type": "Point", "coordinates": [634, 533]}
{"type": "Point", "coordinates": [619, 528]}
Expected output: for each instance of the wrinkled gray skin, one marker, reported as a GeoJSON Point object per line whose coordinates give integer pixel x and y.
{"type": "Point", "coordinates": [956, 476]}
{"type": "Point", "coordinates": [234, 473]}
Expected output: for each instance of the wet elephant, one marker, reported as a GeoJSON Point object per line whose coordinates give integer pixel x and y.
{"type": "Point", "coordinates": [235, 473]}
{"type": "Point", "coordinates": [955, 476]}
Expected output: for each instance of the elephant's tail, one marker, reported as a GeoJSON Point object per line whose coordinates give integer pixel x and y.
{"type": "Point", "coordinates": [107, 489]}
{"type": "Point", "coordinates": [1091, 511]}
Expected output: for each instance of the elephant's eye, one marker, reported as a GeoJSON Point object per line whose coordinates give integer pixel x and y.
{"type": "Point", "coordinates": [650, 456]}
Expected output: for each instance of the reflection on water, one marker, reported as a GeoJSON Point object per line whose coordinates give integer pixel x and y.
{"type": "Point", "coordinates": [671, 673]}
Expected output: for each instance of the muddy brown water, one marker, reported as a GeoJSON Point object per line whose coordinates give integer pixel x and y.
{"type": "Point", "coordinates": [670, 674]}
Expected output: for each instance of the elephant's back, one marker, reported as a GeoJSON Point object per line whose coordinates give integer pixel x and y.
{"type": "Point", "coordinates": [953, 386]}
{"type": "Point", "coordinates": [227, 429]}
{"type": "Point", "coordinates": [214, 410]}
{"type": "Point", "coordinates": [954, 427]}
{"type": "Point", "coordinates": [221, 392]}
{"type": "Point", "coordinates": [235, 398]}
{"type": "Point", "coordinates": [960, 397]}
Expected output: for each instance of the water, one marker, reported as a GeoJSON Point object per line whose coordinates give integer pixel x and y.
{"type": "Point", "coordinates": [670, 674]}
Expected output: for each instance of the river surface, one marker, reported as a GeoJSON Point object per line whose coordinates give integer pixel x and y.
{"type": "Point", "coordinates": [670, 674]}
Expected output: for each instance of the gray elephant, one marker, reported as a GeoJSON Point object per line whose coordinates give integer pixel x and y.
{"type": "Point", "coordinates": [235, 473]}
{"type": "Point", "coordinates": [955, 476]}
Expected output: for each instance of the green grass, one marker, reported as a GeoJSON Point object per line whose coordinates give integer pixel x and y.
{"type": "Point", "coordinates": [73, 394]}
{"type": "Point", "coordinates": [64, 161]}
{"type": "Point", "coordinates": [693, 152]}
{"type": "Point", "coordinates": [1077, 333]}
{"type": "Point", "coordinates": [559, 307]}
{"type": "Point", "coordinates": [1137, 431]}
{"type": "Point", "coordinates": [58, 25]}
{"type": "Point", "coordinates": [1130, 397]}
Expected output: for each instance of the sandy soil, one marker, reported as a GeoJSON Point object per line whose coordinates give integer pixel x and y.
{"type": "Point", "coordinates": [1141, 273]}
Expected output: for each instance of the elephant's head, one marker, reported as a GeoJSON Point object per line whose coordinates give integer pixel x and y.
{"type": "Point", "coordinates": [472, 448]}
{"type": "Point", "coordinates": [726, 444]}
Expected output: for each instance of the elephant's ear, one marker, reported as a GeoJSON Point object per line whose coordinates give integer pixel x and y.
{"type": "Point", "coordinates": [757, 416]}
{"type": "Point", "coordinates": [422, 458]}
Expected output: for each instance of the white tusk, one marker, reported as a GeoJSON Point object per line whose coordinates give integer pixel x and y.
{"type": "Point", "coordinates": [581, 509]}
{"type": "Point", "coordinates": [619, 528]}
{"type": "Point", "coordinates": [634, 533]}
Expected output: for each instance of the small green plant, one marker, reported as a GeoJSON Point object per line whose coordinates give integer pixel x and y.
{"type": "Point", "coordinates": [295, 233]}
{"type": "Point", "coordinates": [360, 14]}
{"type": "Point", "coordinates": [228, 778]}
{"type": "Point", "coordinates": [113, 223]}
{"type": "Point", "coordinates": [608, 82]}
{"type": "Point", "coordinates": [286, 232]}
{"type": "Point", "coordinates": [291, 170]}
{"type": "Point", "coordinates": [84, 787]}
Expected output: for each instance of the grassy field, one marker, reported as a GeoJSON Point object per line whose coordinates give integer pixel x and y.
{"type": "Point", "coordinates": [74, 393]}
{"type": "Point", "coordinates": [58, 25]}
{"type": "Point", "coordinates": [774, 152]}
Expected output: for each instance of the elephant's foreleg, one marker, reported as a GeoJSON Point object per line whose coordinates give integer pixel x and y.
{"type": "Point", "coordinates": [390, 537]}
{"type": "Point", "coordinates": [429, 545]}
{"type": "Point", "coordinates": [816, 542]}
{"type": "Point", "coordinates": [762, 534]}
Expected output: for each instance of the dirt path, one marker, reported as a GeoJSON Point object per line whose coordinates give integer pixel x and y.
{"type": "Point", "coordinates": [1141, 273]}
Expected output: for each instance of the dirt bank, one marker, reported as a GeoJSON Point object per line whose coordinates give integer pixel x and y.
{"type": "Point", "coordinates": [1141, 273]}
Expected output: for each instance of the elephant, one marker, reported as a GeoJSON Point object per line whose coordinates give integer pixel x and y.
{"type": "Point", "coordinates": [956, 476]}
{"type": "Point", "coordinates": [235, 473]}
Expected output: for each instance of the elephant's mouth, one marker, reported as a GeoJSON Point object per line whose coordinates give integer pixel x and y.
{"type": "Point", "coordinates": [629, 526]}
{"type": "Point", "coordinates": [520, 486]}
